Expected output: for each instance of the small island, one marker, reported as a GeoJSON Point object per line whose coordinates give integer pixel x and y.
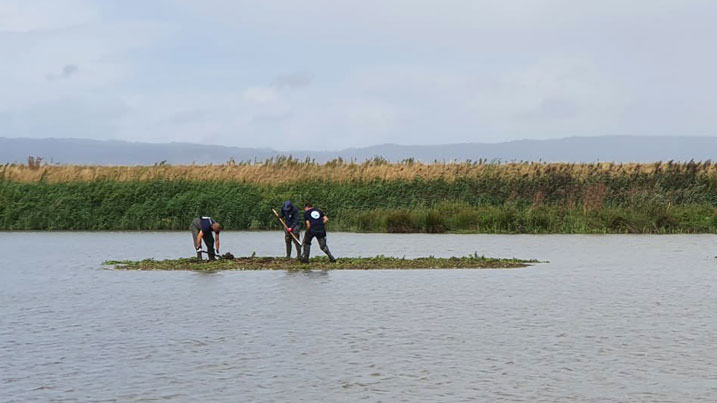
{"type": "Point", "coordinates": [322, 263]}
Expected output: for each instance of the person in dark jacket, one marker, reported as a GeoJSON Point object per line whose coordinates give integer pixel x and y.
{"type": "Point", "coordinates": [290, 214]}
{"type": "Point", "coordinates": [315, 228]}
{"type": "Point", "coordinates": [204, 228]}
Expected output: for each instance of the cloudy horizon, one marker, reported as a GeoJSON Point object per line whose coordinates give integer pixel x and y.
{"type": "Point", "coordinates": [325, 76]}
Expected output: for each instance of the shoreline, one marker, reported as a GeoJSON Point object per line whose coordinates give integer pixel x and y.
{"type": "Point", "coordinates": [256, 263]}
{"type": "Point", "coordinates": [526, 198]}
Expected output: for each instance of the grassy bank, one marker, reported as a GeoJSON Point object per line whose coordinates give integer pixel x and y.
{"type": "Point", "coordinates": [511, 219]}
{"type": "Point", "coordinates": [373, 197]}
{"type": "Point", "coordinates": [322, 263]}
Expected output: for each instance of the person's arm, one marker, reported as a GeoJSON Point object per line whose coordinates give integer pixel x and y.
{"type": "Point", "coordinates": [293, 222]}
{"type": "Point", "coordinates": [217, 248]}
{"type": "Point", "coordinates": [326, 219]}
{"type": "Point", "coordinates": [199, 240]}
{"type": "Point", "coordinates": [294, 219]}
{"type": "Point", "coordinates": [308, 225]}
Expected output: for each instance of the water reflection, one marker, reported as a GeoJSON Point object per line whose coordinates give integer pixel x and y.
{"type": "Point", "coordinates": [610, 318]}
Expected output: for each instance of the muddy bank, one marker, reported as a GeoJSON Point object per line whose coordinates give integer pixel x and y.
{"type": "Point", "coordinates": [322, 263]}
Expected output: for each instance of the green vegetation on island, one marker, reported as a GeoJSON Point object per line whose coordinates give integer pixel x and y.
{"type": "Point", "coordinates": [322, 263]}
{"type": "Point", "coordinates": [374, 196]}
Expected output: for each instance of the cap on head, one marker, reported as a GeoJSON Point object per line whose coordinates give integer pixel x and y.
{"type": "Point", "coordinates": [287, 204]}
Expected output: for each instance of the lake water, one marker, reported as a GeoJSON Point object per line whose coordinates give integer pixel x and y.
{"type": "Point", "coordinates": [609, 318]}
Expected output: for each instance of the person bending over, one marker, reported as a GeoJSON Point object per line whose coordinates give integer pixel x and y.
{"type": "Point", "coordinates": [315, 228]}
{"type": "Point", "coordinates": [290, 214]}
{"type": "Point", "coordinates": [204, 228]}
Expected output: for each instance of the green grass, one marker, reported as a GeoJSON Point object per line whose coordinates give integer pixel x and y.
{"type": "Point", "coordinates": [322, 263]}
{"type": "Point", "coordinates": [673, 201]}
{"type": "Point", "coordinates": [512, 219]}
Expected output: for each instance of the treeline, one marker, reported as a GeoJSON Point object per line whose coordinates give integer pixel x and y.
{"type": "Point", "coordinates": [408, 197]}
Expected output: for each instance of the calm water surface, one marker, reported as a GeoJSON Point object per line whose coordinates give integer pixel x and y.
{"type": "Point", "coordinates": [610, 318]}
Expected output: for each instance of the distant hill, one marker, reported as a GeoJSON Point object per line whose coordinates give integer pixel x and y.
{"type": "Point", "coordinates": [572, 149]}
{"type": "Point", "coordinates": [111, 152]}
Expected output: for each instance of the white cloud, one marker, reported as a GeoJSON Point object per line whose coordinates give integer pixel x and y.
{"type": "Point", "coordinates": [277, 73]}
{"type": "Point", "coordinates": [42, 15]}
{"type": "Point", "coordinates": [66, 64]}
{"type": "Point", "coordinates": [260, 95]}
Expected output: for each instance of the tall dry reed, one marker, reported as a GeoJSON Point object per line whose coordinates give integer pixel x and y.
{"type": "Point", "coordinates": [285, 170]}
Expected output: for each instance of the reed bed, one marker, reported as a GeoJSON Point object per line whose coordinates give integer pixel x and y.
{"type": "Point", "coordinates": [288, 170]}
{"type": "Point", "coordinates": [373, 196]}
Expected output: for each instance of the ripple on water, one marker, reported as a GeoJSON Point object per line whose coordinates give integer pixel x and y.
{"type": "Point", "coordinates": [611, 318]}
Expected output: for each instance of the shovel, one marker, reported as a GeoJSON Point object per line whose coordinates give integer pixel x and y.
{"type": "Point", "coordinates": [286, 228]}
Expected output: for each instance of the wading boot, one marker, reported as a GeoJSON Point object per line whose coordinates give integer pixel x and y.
{"type": "Point", "coordinates": [328, 253]}
{"type": "Point", "coordinates": [332, 259]}
{"type": "Point", "coordinates": [305, 254]}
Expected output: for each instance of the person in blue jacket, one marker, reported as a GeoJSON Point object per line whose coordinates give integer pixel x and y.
{"type": "Point", "coordinates": [315, 228]}
{"type": "Point", "coordinates": [290, 214]}
{"type": "Point", "coordinates": [204, 228]}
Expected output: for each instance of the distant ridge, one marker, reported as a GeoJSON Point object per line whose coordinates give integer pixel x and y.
{"type": "Point", "coordinates": [572, 149]}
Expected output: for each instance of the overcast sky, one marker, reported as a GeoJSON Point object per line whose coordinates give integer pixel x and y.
{"type": "Point", "coordinates": [328, 74]}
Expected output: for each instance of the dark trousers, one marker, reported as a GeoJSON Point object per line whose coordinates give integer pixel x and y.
{"type": "Point", "coordinates": [288, 239]}
{"type": "Point", "coordinates": [306, 245]}
{"type": "Point", "coordinates": [196, 227]}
